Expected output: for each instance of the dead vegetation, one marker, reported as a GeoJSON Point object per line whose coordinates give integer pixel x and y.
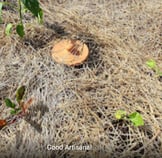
{"type": "Point", "coordinates": [76, 105]}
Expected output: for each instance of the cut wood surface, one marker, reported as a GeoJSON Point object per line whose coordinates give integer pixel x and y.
{"type": "Point", "coordinates": [70, 52]}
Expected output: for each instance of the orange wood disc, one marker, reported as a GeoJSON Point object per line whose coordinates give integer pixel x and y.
{"type": "Point", "coordinates": [70, 52]}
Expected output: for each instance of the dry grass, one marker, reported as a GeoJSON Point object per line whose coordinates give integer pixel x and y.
{"type": "Point", "coordinates": [76, 105]}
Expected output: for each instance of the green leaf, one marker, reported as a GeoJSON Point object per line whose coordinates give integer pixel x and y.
{"type": "Point", "coordinates": [18, 109]}
{"type": "Point", "coordinates": [40, 16]}
{"type": "Point", "coordinates": [8, 29]}
{"type": "Point", "coordinates": [23, 8]}
{"type": "Point", "coordinates": [1, 5]}
{"type": "Point", "coordinates": [136, 119]}
{"type": "Point", "coordinates": [160, 74]}
{"type": "Point", "coordinates": [9, 103]}
{"type": "Point", "coordinates": [20, 93]}
{"type": "Point", "coordinates": [13, 105]}
{"type": "Point", "coordinates": [13, 112]}
{"type": "Point", "coordinates": [151, 64]}
{"type": "Point", "coordinates": [20, 30]}
{"type": "Point", "coordinates": [120, 114]}
{"type": "Point", "coordinates": [33, 6]}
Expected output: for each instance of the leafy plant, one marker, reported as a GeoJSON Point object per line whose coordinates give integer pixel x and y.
{"type": "Point", "coordinates": [17, 109]}
{"type": "Point", "coordinates": [134, 117]}
{"type": "Point", "coordinates": [153, 65]}
{"type": "Point", "coordinates": [120, 114]}
{"type": "Point", "coordinates": [8, 29]}
{"type": "Point", "coordinates": [19, 96]}
{"type": "Point", "coordinates": [31, 5]}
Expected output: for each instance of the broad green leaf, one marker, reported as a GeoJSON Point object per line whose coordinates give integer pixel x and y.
{"type": "Point", "coordinates": [151, 64]}
{"type": "Point", "coordinates": [33, 6]}
{"type": "Point", "coordinates": [120, 114]}
{"type": "Point", "coordinates": [1, 5]}
{"type": "Point", "coordinates": [20, 93]}
{"type": "Point", "coordinates": [20, 30]}
{"type": "Point", "coordinates": [8, 29]}
{"type": "Point", "coordinates": [13, 112]}
{"type": "Point", "coordinates": [9, 103]}
{"type": "Point", "coordinates": [136, 119]}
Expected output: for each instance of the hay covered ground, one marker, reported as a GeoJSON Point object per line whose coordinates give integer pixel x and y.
{"type": "Point", "coordinates": [76, 105]}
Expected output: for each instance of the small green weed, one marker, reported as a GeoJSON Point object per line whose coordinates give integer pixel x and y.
{"type": "Point", "coordinates": [134, 117]}
{"type": "Point", "coordinates": [153, 65]}
{"type": "Point", "coordinates": [17, 109]}
{"type": "Point", "coordinates": [8, 29]}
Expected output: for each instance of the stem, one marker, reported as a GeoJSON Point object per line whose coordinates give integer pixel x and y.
{"type": "Point", "coordinates": [20, 13]}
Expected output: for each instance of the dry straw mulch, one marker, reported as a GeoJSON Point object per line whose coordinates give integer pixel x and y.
{"type": "Point", "coordinates": [76, 105]}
